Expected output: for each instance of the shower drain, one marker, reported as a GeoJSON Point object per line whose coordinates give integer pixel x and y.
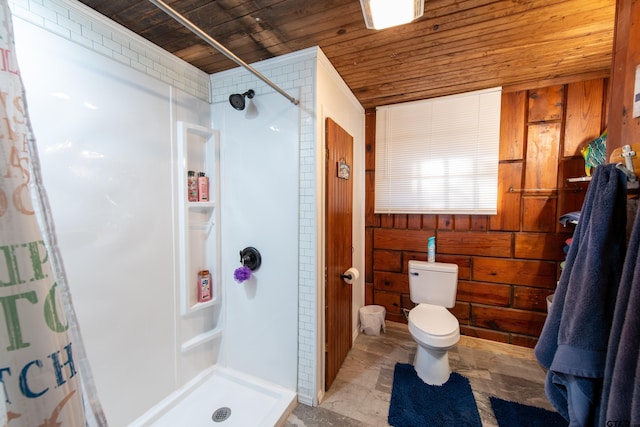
{"type": "Point", "coordinates": [221, 414]}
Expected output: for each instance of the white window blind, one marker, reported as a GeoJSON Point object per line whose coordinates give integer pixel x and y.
{"type": "Point", "coordinates": [439, 155]}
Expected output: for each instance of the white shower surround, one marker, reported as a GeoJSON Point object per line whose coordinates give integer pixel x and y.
{"type": "Point", "coordinates": [259, 197]}
{"type": "Point", "coordinates": [301, 73]}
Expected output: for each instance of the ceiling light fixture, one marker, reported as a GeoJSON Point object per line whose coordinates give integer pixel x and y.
{"type": "Point", "coordinates": [379, 14]}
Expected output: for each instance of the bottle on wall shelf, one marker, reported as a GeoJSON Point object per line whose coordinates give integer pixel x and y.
{"type": "Point", "coordinates": [205, 290]}
{"type": "Point", "coordinates": [192, 186]}
{"type": "Point", "coordinates": [203, 187]}
{"type": "Point", "coordinates": [431, 249]}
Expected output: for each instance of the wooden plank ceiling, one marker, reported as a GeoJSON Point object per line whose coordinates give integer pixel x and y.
{"type": "Point", "coordinates": [457, 46]}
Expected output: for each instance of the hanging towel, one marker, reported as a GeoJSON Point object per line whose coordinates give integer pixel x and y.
{"type": "Point", "coordinates": [621, 391]}
{"type": "Point", "coordinates": [574, 338]}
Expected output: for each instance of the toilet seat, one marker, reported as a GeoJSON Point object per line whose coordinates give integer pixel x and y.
{"type": "Point", "coordinates": [434, 326]}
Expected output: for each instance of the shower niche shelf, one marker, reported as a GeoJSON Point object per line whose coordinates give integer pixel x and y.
{"type": "Point", "coordinates": [199, 222]}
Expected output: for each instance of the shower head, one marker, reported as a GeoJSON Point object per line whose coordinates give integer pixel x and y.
{"type": "Point", "coordinates": [237, 100]}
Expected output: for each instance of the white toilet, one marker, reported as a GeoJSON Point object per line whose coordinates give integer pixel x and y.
{"type": "Point", "coordinates": [433, 287]}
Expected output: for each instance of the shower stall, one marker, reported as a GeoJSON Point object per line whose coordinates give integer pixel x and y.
{"type": "Point", "coordinates": [108, 139]}
{"type": "Point", "coordinates": [107, 108]}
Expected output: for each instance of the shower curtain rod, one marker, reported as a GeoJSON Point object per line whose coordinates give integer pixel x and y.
{"type": "Point", "coordinates": [220, 48]}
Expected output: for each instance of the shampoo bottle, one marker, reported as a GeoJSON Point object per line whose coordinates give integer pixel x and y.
{"type": "Point", "coordinates": [203, 187]}
{"type": "Point", "coordinates": [205, 291]}
{"type": "Point", "coordinates": [192, 186]}
{"type": "Point", "coordinates": [431, 249]}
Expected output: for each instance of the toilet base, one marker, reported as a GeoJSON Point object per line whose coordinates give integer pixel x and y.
{"type": "Point", "coordinates": [432, 366]}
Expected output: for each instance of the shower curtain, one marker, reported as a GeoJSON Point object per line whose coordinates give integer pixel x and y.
{"type": "Point", "coordinates": [45, 380]}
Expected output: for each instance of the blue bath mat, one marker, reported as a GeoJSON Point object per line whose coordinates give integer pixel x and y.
{"type": "Point", "coordinates": [416, 404]}
{"type": "Point", "coordinates": [512, 414]}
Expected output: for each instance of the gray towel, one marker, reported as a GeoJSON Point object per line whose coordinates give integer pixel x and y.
{"type": "Point", "coordinates": [621, 391]}
{"type": "Point", "coordinates": [573, 343]}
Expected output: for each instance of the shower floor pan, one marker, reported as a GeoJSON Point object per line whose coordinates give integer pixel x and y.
{"type": "Point", "coordinates": [225, 398]}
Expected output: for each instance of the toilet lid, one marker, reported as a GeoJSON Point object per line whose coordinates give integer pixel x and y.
{"type": "Point", "coordinates": [434, 319]}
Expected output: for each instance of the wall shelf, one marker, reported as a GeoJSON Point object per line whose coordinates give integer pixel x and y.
{"type": "Point", "coordinates": [199, 222]}
{"type": "Point", "coordinates": [201, 339]}
{"type": "Point", "coordinates": [204, 206]}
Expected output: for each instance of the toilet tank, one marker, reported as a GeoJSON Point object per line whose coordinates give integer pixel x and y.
{"type": "Point", "coordinates": [433, 283]}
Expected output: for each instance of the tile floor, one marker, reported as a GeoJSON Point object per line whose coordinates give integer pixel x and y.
{"type": "Point", "coordinates": [361, 392]}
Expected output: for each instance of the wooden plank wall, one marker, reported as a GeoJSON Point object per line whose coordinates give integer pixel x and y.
{"type": "Point", "coordinates": [626, 57]}
{"type": "Point", "coordinates": [510, 262]}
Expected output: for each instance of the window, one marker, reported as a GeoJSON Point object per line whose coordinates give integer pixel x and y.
{"type": "Point", "coordinates": [439, 155]}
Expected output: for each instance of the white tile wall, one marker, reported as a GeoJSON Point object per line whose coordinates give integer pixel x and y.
{"type": "Point", "coordinates": [74, 21]}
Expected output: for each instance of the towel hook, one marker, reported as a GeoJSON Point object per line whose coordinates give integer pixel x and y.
{"type": "Point", "coordinates": [627, 154]}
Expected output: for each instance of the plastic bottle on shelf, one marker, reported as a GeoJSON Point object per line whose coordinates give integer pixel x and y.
{"type": "Point", "coordinates": [192, 186]}
{"type": "Point", "coordinates": [203, 187]}
{"type": "Point", "coordinates": [205, 290]}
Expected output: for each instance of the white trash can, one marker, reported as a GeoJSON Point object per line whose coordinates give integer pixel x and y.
{"type": "Point", "coordinates": [372, 319]}
{"type": "Point", "coordinates": [549, 302]}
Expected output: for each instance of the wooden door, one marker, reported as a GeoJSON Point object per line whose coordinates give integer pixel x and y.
{"type": "Point", "coordinates": [339, 200]}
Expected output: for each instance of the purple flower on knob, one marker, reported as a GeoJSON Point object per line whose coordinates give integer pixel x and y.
{"type": "Point", "coordinates": [241, 274]}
